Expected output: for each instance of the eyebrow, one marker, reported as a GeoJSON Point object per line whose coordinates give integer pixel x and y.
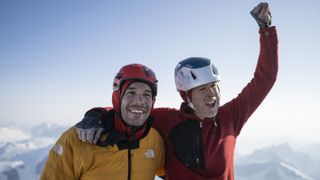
{"type": "Point", "coordinates": [130, 88]}
{"type": "Point", "coordinates": [133, 88]}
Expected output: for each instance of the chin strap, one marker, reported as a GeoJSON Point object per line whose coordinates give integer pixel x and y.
{"type": "Point", "coordinates": [191, 105]}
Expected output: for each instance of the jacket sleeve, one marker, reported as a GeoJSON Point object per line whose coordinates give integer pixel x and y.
{"type": "Point", "coordinates": [62, 162]}
{"type": "Point", "coordinates": [257, 89]}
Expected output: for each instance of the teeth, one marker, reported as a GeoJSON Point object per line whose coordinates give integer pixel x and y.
{"type": "Point", "coordinates": [136, 111]}
{"type": "Point", "coordinates": [210, 102]}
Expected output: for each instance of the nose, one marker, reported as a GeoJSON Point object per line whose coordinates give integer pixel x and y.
{"type": "Point", "coordinates": [212, 91]}
{"type": "Point", "coordinates": [139, 100]}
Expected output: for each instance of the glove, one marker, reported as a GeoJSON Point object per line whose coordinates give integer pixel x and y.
{"type": "Point", "coordinates": [261, 13]}
{"type": "Point", "coordinates": [90, 128]}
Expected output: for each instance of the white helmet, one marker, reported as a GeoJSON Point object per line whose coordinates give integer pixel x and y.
{"type": "Point", "coordinates": [194, 72]}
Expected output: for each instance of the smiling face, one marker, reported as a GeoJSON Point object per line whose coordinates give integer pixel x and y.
{"type": "Point", "coordinates": [136, 103]}
{"type": "Point", "coordinates": [206, 100]}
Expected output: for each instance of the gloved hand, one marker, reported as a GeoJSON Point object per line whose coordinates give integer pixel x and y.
{"type": "Point", "coordinates": [90, 128]}
{"type": "Point", "coordinates": [261, 13]}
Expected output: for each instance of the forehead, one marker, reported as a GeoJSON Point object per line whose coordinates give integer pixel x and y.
{"type": "Point", "coordinates": [206, 85]}
{"type": "Point", "coordinates": [139, 86]}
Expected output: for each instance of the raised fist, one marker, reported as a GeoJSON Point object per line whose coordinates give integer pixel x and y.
{"type": "Point", "coordinates": [261, 13]}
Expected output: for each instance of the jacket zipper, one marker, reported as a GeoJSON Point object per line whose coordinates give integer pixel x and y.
{"type": "Point", "coordinates": [198, 145]}
{"type": "Point", "coordinates": [129, 162]}
{"type": "Point", "coordinates": [130, 140]}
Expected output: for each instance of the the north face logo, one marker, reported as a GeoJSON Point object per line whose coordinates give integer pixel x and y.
{"type": "Point", "coordinates": [58, 149]}
{"type": "Point", "coordinates": [150, 153]}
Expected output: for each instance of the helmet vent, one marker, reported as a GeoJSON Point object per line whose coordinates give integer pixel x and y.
{"type": "Point", "coordinates": [146, 71]}
{"type": "Point", "coordinates": [193, 75]}
{"type": "Point", "coordinates": [118, 76]}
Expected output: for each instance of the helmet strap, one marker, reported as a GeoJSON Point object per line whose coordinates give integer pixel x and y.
{"type": "Point", "coordinates": [190, 103]}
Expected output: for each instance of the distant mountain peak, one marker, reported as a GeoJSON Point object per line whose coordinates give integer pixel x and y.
{"type": "Point", "coordinates": [8, 134]}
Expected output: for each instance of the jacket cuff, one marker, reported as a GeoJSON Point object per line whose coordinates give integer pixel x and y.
{"type": "Point", "coordinates": [269, 31]}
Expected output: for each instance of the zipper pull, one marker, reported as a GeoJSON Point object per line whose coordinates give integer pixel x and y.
{"type": "Point", "coordinates": [198, 163]}
{"type": "Point", "coordinates": [215, 123]}
{"type": "Point", "coordinates": [200, 124]}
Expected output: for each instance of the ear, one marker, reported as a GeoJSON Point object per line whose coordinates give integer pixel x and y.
{"type": "Point", "coordinates": [183, 95]}
{"type": "Point", "coordinates": [153, 101]}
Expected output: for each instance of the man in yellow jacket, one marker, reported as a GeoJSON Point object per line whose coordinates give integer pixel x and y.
{"type": "Point", "coordinates": [132, 150]}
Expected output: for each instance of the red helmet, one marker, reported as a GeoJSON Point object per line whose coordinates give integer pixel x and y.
{"type": "Point", "coordinates": [132, 72]}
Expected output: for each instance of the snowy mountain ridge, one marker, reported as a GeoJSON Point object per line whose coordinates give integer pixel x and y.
{"type": "Point", "coordinates": [8, 134]}
{"type": "Point", "coordinates": [295, 171]}
{"type": "Point", "coordinates": [276, 162]}
{"type": "Point", "coordinates": [22, 149]}
{"type": "Point", "coordinates": [23, 152]}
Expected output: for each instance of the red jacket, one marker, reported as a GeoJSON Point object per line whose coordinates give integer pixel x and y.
{"type": "Point", "coordinates": [198, 149]}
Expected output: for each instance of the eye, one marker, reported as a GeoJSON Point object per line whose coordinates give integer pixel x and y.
{"type": "Point", "coordinates": [202, 89]}
{"type": "Point", "coordinates": [130, 93]}
{"type": "Point", "coordinates": [148, 95]}
{"type": "Point", "coordinates": [213, 86]}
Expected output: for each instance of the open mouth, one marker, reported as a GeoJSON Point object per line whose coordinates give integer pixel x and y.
{"type": "Point", "coordinates": [137, 111]}
{"type": "Point", "coordinates": [211, 102]}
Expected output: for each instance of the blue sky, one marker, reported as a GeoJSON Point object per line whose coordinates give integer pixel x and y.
{"type": "Point", "coordinates": [58, 58]}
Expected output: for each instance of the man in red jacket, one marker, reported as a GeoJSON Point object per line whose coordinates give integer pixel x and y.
{"type": "Point", "coordinates": [200, 138]}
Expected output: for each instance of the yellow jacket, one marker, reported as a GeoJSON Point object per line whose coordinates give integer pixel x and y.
{"type": "Point", "coordinates": [71, 158]}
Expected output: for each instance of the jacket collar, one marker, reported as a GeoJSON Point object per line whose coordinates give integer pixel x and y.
{"type": "Point", "coordinates": [184, 108]}
{"type": "Point", "coordinates": [132, 133]}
